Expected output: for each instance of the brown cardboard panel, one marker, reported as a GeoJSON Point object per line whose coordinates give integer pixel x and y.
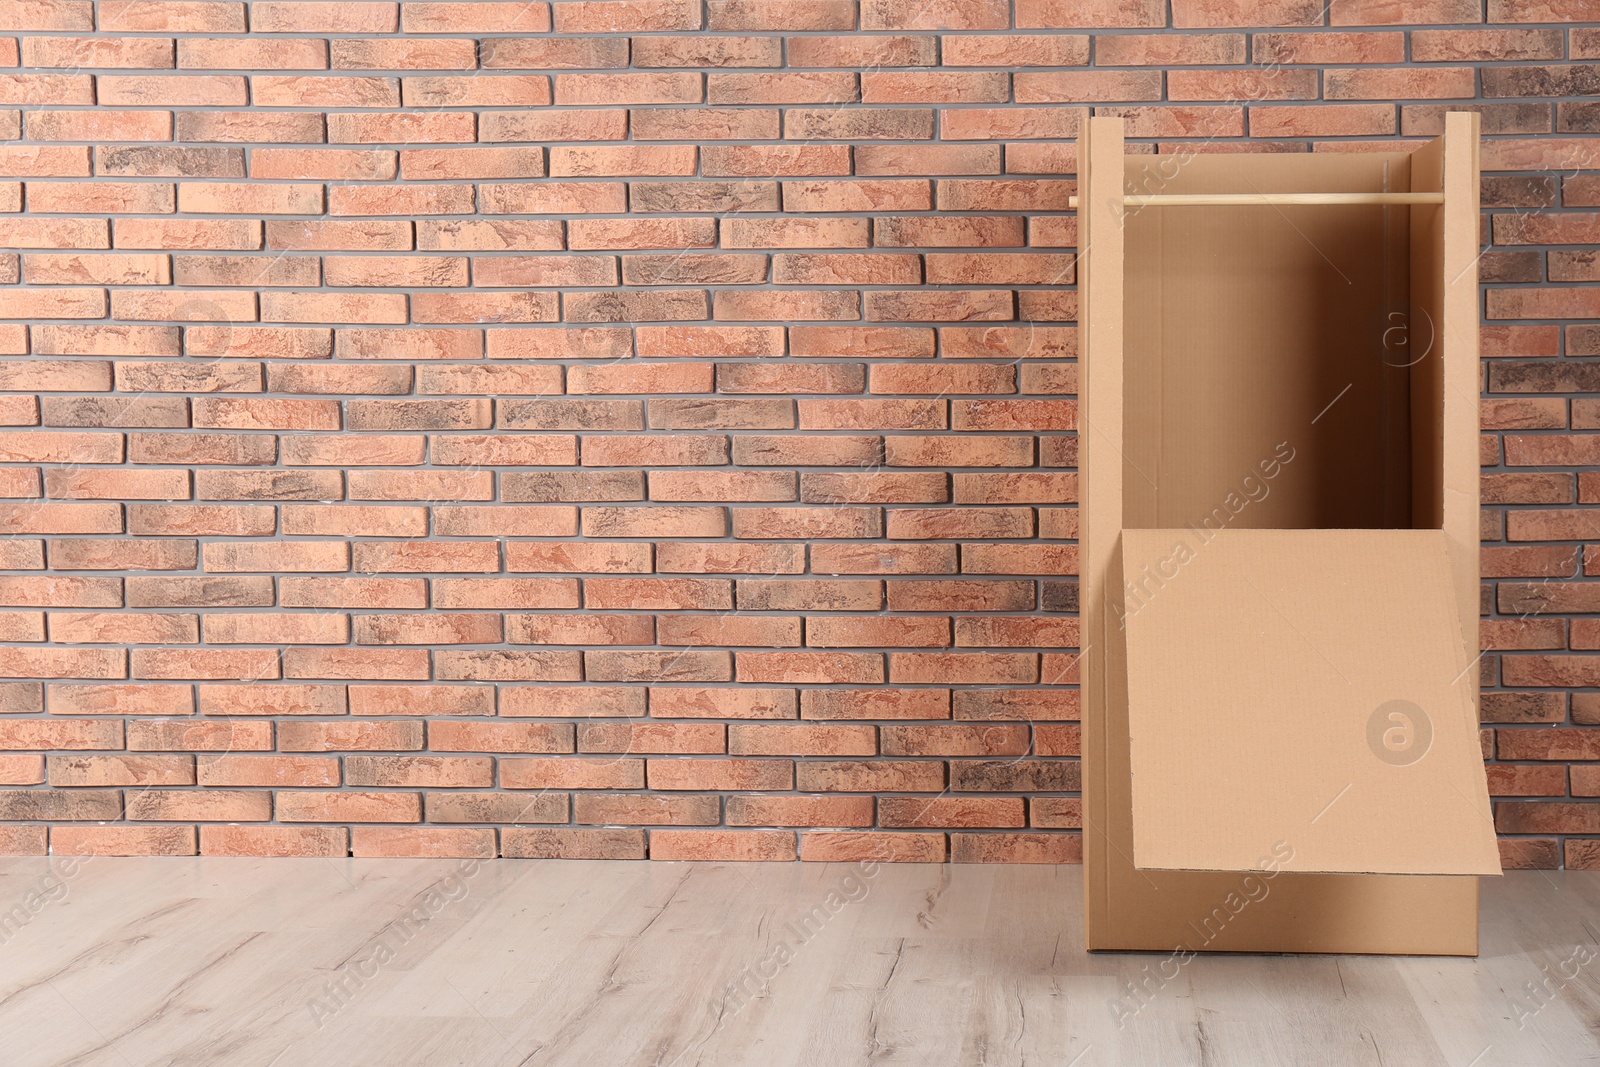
{"type": "Point", "coordinates": [1418, 342]}
{"type": "Point", "coordinates": [1100, 442]}
{"type": "Point", "coordinates": [1307, 687]}
{"type": "Point", "coordinates": [1458, 266]}
{"type": "Point", "coordinates": [1254, 331]}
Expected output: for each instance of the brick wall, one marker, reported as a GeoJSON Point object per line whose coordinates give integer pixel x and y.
{"type": "Point", "coordinates": [646, 427]}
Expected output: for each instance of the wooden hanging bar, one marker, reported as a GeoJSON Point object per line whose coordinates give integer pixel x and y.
{"type": "Point", "coordinates": [1234, 199]}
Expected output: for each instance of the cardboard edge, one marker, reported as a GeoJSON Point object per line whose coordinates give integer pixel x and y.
{"type": "Point", "coordinates": [1100, 282]}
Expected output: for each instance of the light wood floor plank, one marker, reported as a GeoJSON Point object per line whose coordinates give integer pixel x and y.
{"type": "Point", "coordinates": [276, 963]}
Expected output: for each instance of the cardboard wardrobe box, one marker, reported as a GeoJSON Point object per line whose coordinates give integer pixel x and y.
{"type": "Point", "coordinates": [1280, 549]}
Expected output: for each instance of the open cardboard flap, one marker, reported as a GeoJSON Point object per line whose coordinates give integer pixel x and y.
{"type": "Point", "coordinates": [1301, 686]}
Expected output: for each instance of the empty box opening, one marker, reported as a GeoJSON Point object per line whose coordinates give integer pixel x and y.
{"type": "Point", "coordinates": [1275, 357]}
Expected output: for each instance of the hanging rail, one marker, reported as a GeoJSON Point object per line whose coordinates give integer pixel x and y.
{"type": "Point", "coordinates": [1234, 199]}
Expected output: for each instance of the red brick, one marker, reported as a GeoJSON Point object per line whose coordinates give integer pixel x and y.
{"type": "Point", "coordinates": [22, 840]}
{"type": "Point", "coordinates": [589, 701]}
{"type": "Point", "coordinates": [505, 592]}
{"type": "Point", "coordinates": [515, 665]}
{"type": "Point", "coordinates": [851, 776]}
{"type": "Point", "coordinates": [269, 771]}
{"type": "Point", "coordinates": [249, 126]}
{"type": "Point", "coordinates": [1547, 817]}
{"type": "Point", "coordinates": [181, 90]}
{"type": "Point", "coordinates": [56, 734]}
{"type": "Point", "coordinates": [501, 17]}
{"type": "Point", "coordinates": [642, 738]}
{"type": "Point", "coordinates": [755, 809]}
{"type": "Point", "coordinates": [620, 666]}
{"type": "Point", "coordinates": [866, 195]}
{"type": "Point", "coordinates": [21, 697]}
{"type": "Point", "coordinates": [1506, 781]}
{"type": "Point", "coordinates": [355, 663]}
{"type": "Point", "coordinates": [213, 805]}
{"type": "Point", "coordinates": [38, 161]}
{"type": "Point", "coordinates": [429, 164]}
{"type": "Point", "coordinates": [1391, 83]}
{"type": "Point", "coordinates": [449, 772]}
{"type": "Point", "coordinates": [645, 810]}
{"type": "Point", "coordinates": [927, 159]}
{"type": "Point", "coordinates": [689, 773]}
{"type": "Point", "coordinates": [242, 234]}
{"type": "Point", "coordinates": [1384, 12]}
{"type": "Point", "coordinates": [720, 630]}
{"type": "Point", "coordinates": [341, 164]}
{"type": "Point", "coordinates": [54, 805]}
{"type": "Point", "coordinates": [743, 702]}
{"type": "Point", "coordinates": [634, 88]}
{"type": "Point", "coordinates": [983, 668]}
{"type": "Point", "coordinates": [859, 124]}
{"type": "Point", "coordinates": [1016, 848]}
{"type": "Point", "coordinates": [1324, 120]}
{"type": "Point", "coordinates": [813, 667]}
{"type": "Point", "coordinates": [481, 307]}
{"type": "Point", "coordinates": [1014, 123]}
{"type": "Point", "coordinates": [656, 522]}
{"type": "Point", "coordinates": [625, 16]}
{"type": "Point", "coordinates": [802, 740]}
{"type": "Point", "coordinates": [934, 15]}
{"type": "Point", "coordinates": [518, 521]}
{"type": "Point", "coordinates": [194, 736]}
{"type": "Point", "coordinates": [557, 197]}
{"type": "Point", "coordinates": [1550, 670]}
{"type": "Point", "coordinates": [1456, 45]}
{"type": "Point", "coordinates": [348, 806]}
{"type": "Point", "coordinates": [181, 16]}
{"type": "Point", "coordinates": [422, 842]}
{"type": "Point", "coordinates": [538, 843]}
{"type": "Point", "coordinates": [781, 14]}
{"type": "Point", "coordinates": [537, 53]}
{"type": "Point", "coordinates": [311, 90]}
{"type": "Point", "coordinates": [22, 770]}
{"type": "Point", "coordinates": [326, 841]}
{"type": "Point", "coordinates": [122, 770]}
{"type": "Point", "coordinates": [354, 520]}
{"type": "Point", "coordinates": [96, 51]}
{"type": "Point", "coordinates": [499, 737]}
{"type": "Point", "coordinates": [495, 807]}
{"type": "Point", "coordinates": [420, 699]}
{"type": "Point", "coordinates": [232, 53]}
{"type": "Point", "coordinates": [723, 845]}
{"type": "Point", "coordinates": [47, 15]}
{"type": "Point", "coordinates": [401, 127]}
{"type": "Point", "coordinates": [122, 699]}
{"type": "Point", "coordinates": [621, 160]}
{"type": "Point", "coordinates": [582, 629]}
{"type": "Point", "coordinates": [123, 841]}
{"type": "Point", "coordinates": [872, 847]}
{"type": "Point", "coordinates": [987, 50]}
{"type": "Point", "coordinates": [914, 812]}
{"type": "Point", "coordinates": [1059, 14]}
{"type": "Point", "coordinates": [569, 773]}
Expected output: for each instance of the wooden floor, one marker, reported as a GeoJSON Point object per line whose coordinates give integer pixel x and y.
{"type": "Point", "coordinates": [235, 962]}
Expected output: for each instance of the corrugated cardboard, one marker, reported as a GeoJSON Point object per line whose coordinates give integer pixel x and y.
{"type": "Point", "coordinates": [1302, 686]}
{"type": "Point", "coordinates": [1296, 383]}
